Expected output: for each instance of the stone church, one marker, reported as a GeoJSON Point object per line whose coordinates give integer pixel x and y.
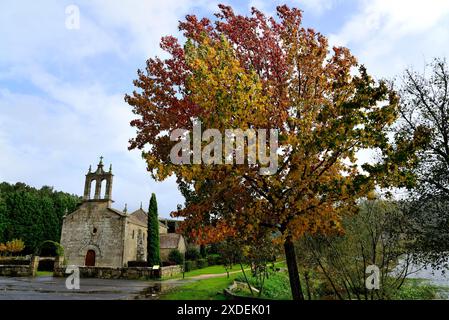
{"type": "Point", "coordinates": [96, 234]}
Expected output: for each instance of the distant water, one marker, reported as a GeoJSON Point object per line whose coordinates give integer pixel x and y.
{"type": "Point", "coordinates": [436, 277]}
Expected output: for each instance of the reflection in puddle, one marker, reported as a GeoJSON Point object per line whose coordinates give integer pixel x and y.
{"type": "Point", "coordinates": [154, 291]}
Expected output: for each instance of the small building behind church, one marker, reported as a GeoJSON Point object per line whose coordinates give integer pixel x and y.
{"type": "Point", "coordinates": [98, 235]}
{"type": "Point", "coordinates": [169, 242]}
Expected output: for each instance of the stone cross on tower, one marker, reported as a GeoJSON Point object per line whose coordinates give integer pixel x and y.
{"type": "Point", "coordinates": [98, 177]}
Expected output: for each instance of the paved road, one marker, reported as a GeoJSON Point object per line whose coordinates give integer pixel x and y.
{"type": "Point", "coordinates": [49, 288]}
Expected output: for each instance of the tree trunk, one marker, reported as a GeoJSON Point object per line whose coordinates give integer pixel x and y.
{"type": "Point", "coordinates": [306, 277]}
{"type": "Point", "coordinates": [293, 274]}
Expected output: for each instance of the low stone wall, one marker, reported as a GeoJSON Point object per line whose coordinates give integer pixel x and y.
{"type": "Point", "coordinates": [170, 271]}
{"type": "Point", "coordinates": [121, 273]}
{"type": "Point", "coordinates": [90, 272]}
{"type": "Point", "coordinates": [11, 270]}
{"type": "Point", "coordinates": [14, 271]}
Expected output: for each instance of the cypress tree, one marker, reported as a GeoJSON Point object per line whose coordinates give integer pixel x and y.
{"type": "Point", "coordinates": [153, 255]}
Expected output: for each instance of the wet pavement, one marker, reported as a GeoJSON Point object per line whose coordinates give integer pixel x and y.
{"type": "Point", "coordinates": [49, 288]}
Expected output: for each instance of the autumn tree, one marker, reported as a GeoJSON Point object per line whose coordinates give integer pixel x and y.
{"type": "Point", "coordinates": [257, 72]}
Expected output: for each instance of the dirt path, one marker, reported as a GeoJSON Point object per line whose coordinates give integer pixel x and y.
{"type": "Point", "coordinates": [201, 277]}
{"type": "Point", "coordinates": [207, 276]}
{"type": "Point", "coordinates": [214, 275]}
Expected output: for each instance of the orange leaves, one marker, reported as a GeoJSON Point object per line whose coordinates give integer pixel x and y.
{"type": "Point", "coordinates": [212, 234]}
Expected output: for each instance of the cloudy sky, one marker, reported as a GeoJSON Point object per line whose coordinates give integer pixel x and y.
{"type": "Point", "coordinates": [61, 90]}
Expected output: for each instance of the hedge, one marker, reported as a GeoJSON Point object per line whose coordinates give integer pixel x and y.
{"type": "Point", "coordinates": [14, 262]}
{"type": "Point", "coordinates": [190, 265]}
{"type": "Point", "coordinates": [214, 259]}
{"type": "Point", "coordinates": [134, 264]}
{"type": "Point", "coordinates": [202, 263]}
{"type": "Point", "coordinates": [192, 253]}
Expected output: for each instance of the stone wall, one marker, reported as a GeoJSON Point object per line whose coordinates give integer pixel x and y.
{"type": "Point", "coordinates": [29, 270]}
{"type": "Point", "coordinates": [170, 271]}
{"type": "Point", "coordinates": [14, 271]}
{"type": "Point", "coordinates": [121, 273]}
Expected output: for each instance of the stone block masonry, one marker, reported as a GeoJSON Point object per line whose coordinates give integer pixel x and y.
{"type": "Point", "coordinates": [132, 273]}
{"type": "Point", "coordinates": [15, 271]}
{"type": "Point", "coordinates": [12, 270]}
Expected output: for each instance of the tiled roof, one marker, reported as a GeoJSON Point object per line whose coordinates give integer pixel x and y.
{"type": "Point", "coordinates": [141, 217]}
{"type": "Point", "coordinates": [120, 213]}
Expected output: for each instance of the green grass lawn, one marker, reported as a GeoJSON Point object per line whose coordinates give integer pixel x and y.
{"type": "Point", "coordinates": [218, 269]}
{"type": "Point", "coordinates": [276, 286]}
{"type": "Point", "coordinates": [280, 264]}
{"type": "Point", "coordinates": [44, 273]}
{"type": "Point", "coordinates": [212, 288]}
{"type": "Point", "coordinates": [206, 289]}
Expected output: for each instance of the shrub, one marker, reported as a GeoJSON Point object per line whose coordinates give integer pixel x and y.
{"type": "Point", "coordinates": [14, 262]}
{"type": "Point", "coordinates": [214, 259]}
{"type": "Point", "coordinates": [213, 248]}
{"type": "Point", "coordinates": [192, 253]}
{"type": "Point", "coordinates": [51, 248]}
{"type": "Point", "coordinates": [2, 249]}
{"type": "Point", "coordinates": [12, 247]}
{"type": "Point", "coordinates": [140, 264]}
{"type": "Point", "coordinates": [190, 265]}
{"type": "Point", "coordinates": [176, 256]}
{"type": "Point", "coordinates": [276, 286]}
{"type": "Point", "coordinates": [202, 263]}
{"type": "Point", "coordinates": [203, 251]}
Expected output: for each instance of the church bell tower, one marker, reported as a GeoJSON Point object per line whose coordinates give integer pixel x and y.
{"type": "Point", "coordinates": [97, 178]}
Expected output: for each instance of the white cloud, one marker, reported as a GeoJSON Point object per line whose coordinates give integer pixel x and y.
{"type": "Point", "coordinates": [36, 33]}
{"type": "Point", "coordinates": [144, 21]}
{"type": "Point", "coordinates": [390, 35]}
{"type": "Point", "coordinates": [316, 6]}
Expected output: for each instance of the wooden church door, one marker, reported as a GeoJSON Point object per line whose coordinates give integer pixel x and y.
{"type": "Point", "coordinates": [90, 258]}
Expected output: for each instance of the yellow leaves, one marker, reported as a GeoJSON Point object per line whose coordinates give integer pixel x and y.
{"type": "Point", "coordinates": [222, 88]}
{"type": "Point", "coordinates": [12, 247]}
{"type": "Point", "coordinates": [372, 195]}
{"type": "Point", "coordinates": [2, 248]}
{"type": "Point", "coordinates": [323, 221]}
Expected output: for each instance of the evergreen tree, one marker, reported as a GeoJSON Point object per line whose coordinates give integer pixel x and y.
{"type": "Point", "coordinates": [3, 222]}
{"type": "Point", "coordinates": [33, 215]}
{"type": "Point", "coordinates": [153, 255]}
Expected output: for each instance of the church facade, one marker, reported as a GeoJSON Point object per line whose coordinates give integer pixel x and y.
{"type": "Point", "coordinates": [96, 234]}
